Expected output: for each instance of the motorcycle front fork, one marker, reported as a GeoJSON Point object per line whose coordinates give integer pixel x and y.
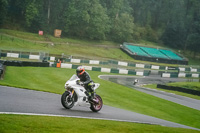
{"type": "Point", "coordinates": [71, 93]}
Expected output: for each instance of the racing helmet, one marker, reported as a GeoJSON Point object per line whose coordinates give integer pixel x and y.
{"type": "Point", "coordinates": [80, 70]}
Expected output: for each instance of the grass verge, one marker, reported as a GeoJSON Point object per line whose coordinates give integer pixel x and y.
{"type": "Point", "coordinates": [24, 41]}
{"type": "Point", "coordinates": [190, 84]}
{"type": "Point", "coordinates": [21, 123]}
{"type": "Point", "coordinates": [53, 80]}
{"type": "Point", "coordinates": [83, 50]}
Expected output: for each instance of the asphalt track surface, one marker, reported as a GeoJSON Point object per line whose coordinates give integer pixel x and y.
{"type": "Point", "coordinates": [29, 102]}
{"type": "Point", "coordinates": [128, 81]}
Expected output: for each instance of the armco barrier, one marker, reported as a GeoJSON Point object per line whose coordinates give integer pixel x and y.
{"type": "Point", "coordinates": [180, 89]}
{"type": "Point", "coordinates": [130, 64]}
{"type": "Point", "coordinates": [97, 62]}
{"type": "Point", "coordinates": [108, 70]}
{"type": "Point", "coordinates": [180, 75]}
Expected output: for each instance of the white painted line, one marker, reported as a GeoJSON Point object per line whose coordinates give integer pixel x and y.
{"type": "Point", "coordinates": [92, 118]}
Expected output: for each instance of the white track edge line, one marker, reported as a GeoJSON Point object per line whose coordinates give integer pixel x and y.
{"type": "Point", "coordinates": [92, 118]}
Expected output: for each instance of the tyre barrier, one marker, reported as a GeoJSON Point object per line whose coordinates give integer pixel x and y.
{"type": "Point", "coordinates": [2, 70]}
{"type": "Point", "coordinates": [26, 63]}
{"type": "Point", "coordinates": [180, 89]}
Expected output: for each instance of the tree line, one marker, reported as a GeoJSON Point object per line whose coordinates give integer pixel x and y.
{"type": "Point", "coordinates": [174, 22]}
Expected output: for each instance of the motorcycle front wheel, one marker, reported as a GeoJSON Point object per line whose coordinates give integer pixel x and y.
{"type": "Point", "coordinates": [97, 104]}
{"type": "Point", "coordinates": [66, 100]}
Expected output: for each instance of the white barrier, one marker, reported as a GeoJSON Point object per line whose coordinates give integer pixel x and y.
{"type": "Point", "coordinates": [36, 57]}
{"type": "Point", "coordinates": [14, 55]}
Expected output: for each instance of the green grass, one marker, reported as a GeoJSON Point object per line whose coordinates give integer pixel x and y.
{"type": "Point", "coordinates": [23, 35]}
{"type": "Point", "coordinates": [151, 44]}
{"type": "Point", "coordinates": [86, 51]}
{"type": "Point", "coordinates": [82, 48]}
{"type": "Point", "coordinates": [188, 85]}
{"type": "Point", "coordinates": [193, 61]}
{"type": "Point", "coordinates": [46, 124]}
{"type": "Point", "coordinates": [15, 44]}
{"type": "Point", "coordinates": [36, 37]}
{"type": "Point", "coordinates": [53, 80]}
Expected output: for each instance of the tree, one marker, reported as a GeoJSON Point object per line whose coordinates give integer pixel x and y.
{"type": "Point", "coordinates": [3, 10]}
{"type": "Point", "coordinates": [173, 21]}
{"type": "Point", "coordinates": [45, 15]}
{"type": "Point", "coordinates": [98, 23]}
{"type": "Point", "coordinates": [116, 7]}
{"type": "Point", "coordinates": [16, 11]}
{"type": "Point", "coordinates": [122, 29]}
{"type": "Point", "coordinates": [86, 19]}
{"type": "Point", "coordinates": [77, 18]}
{"type": "Point", "coordinates": [31, 12]}
{"type": "Point", "coordinates": [121, 21]}
{"type": "Point", "coordinates": [193, 41]}
{"type": "Point", "coordinates": [174, 35]}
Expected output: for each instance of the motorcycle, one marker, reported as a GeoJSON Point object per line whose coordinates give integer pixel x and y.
{"type": "Point", "coordinates": [76, 95]}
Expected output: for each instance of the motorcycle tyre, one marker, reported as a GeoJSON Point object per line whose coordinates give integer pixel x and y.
{"type": "Point", "coordinates": [63, 100]}
{"type": "Point", "coordinates": [92, 105]}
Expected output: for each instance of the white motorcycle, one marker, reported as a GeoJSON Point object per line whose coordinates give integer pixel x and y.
{"type": "Point", "coordinates": [76, 94]}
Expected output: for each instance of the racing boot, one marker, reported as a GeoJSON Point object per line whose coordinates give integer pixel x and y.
{"type": "Point", "coordinates": [91, 97]}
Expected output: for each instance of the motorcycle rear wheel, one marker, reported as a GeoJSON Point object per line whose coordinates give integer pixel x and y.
{"type": "Point", "coordinates": [66, 100]}
{"type": "Point", "coordinates": [97, 104]}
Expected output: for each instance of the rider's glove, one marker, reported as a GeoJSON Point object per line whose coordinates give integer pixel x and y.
{"type": "Point", "coordinates": [81, 83]}
{"type": "Point", "coordinates": [78, 82]}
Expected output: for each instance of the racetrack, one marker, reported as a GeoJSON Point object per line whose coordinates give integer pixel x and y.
{"type": "Point", "coordinates": [128, 81]}
{"type": "Point", "coordinates": [15, 101]}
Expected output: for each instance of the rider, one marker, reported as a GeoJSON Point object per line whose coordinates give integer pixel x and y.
{"type": "Point", "coordinates": [85, 80]}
